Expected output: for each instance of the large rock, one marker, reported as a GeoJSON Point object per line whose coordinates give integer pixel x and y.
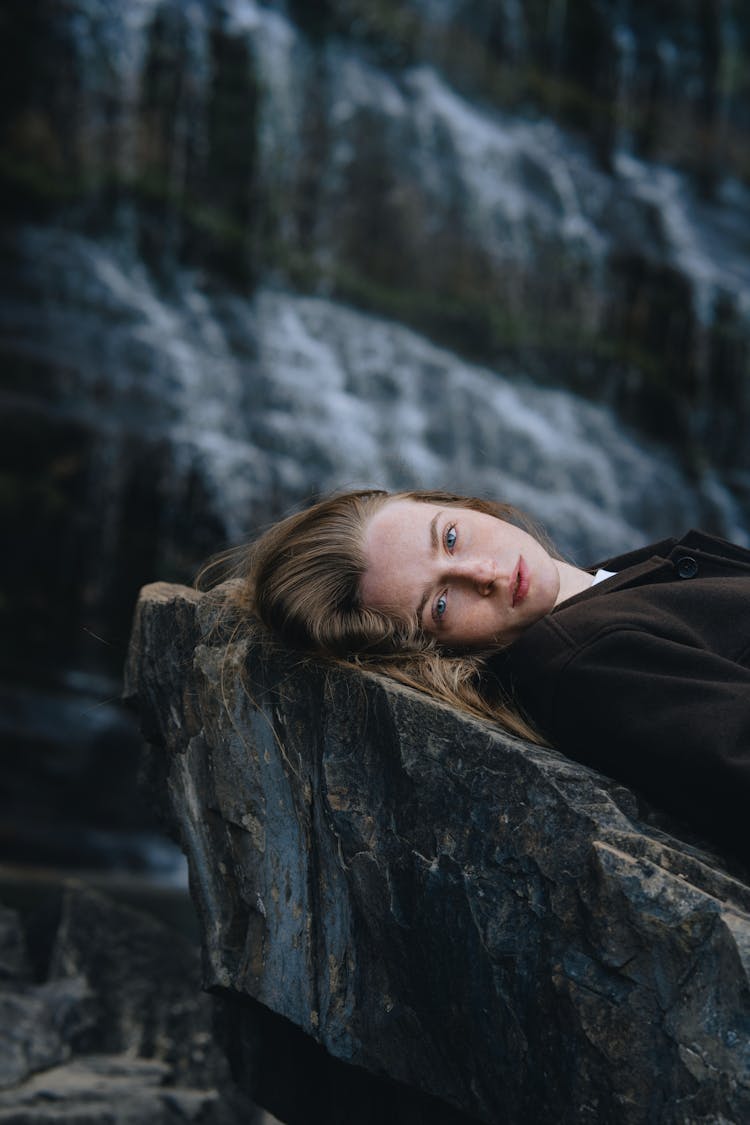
{"type": "Point", "coordinates": [479, 919]}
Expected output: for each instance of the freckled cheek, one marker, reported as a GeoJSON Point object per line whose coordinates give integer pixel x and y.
{"type": "Point", "coordinates": [486, 622]}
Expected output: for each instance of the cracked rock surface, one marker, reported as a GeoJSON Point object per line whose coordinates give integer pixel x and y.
{"type": "Point", "coordinates": [481, 920]}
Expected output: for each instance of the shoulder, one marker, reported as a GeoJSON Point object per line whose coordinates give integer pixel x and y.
{"type": "Point", "coordinates": [661, 606]}
{"type": "Point", "coordinates": [695, 540]}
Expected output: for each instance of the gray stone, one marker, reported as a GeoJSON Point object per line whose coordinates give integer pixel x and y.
{"type": "Point", "coordinates": [13, 956]}
{"type": "Point", "coordinates": [107, 1090]}
{"type": "Point", "coordinates": [144, 981]}
{"type": "Point", "coordinates": [428, 899]}
{"type": "Point", "coordinates": [36, 1025]}
{"type": "Point", "coordinates": [118, 1031]}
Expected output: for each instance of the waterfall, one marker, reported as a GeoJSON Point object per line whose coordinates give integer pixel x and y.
{"type": "Point", "coordinates": [254, 252]}
{"type": "Point", "coordinates": [286, 396]}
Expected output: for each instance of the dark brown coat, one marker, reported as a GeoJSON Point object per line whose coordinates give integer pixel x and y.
{"type": "Point", "coordinates": [646, 677]}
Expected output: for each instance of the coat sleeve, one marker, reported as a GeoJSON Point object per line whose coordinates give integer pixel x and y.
{"type": "Point", "coordinates": [666, 718]}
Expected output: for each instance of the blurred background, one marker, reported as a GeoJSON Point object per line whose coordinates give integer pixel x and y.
{"type": "Point", "coordinates": [255, 251]}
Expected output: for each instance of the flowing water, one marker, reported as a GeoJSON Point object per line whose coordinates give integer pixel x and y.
{"type": "Point", "coordinates": [254, 254]}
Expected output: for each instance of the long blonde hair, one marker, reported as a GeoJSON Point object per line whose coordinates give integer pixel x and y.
{"type": "Point", "coordinates": [301, 580]}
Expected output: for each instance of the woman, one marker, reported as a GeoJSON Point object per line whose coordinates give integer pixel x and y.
{"type": "Point", "coordinates": [640, 668]}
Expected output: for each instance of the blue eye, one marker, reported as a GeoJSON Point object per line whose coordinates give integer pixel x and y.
{"type": "Point", "coordinates": [451, 536]}
{"type": "Point", "coordinates": [440, 606]}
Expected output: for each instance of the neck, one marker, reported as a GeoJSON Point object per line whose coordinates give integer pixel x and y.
{"type": "Point", "coordinates": [573, 580]}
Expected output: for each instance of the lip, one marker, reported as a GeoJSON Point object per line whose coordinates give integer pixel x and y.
{"type": "Point", "coordinates": [519, 583]}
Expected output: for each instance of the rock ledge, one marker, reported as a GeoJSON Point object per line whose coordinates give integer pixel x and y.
{"type": "Point", "coordinates": [484, 921]}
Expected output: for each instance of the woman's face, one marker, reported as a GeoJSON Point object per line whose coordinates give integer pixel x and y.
{"type": "Point", "coordinates": [471, 579]}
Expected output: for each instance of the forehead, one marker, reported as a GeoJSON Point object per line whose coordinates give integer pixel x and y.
{"type": "Point", "coordinates": [401, 530]}
{"type": "Point", "coordinates": [397, 543]}
{"type": "Point", "coordinates": [397, 517]}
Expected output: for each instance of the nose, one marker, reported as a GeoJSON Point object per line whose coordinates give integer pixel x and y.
{"type": "Point", "coordinates": [480, 572]}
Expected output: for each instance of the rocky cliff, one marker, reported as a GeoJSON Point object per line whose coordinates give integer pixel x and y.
{"type": "Point", "coordinates": [482, 921]}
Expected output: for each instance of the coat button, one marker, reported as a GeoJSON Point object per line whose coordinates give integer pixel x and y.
{"type": "Point", "coordinates": [687, 568]}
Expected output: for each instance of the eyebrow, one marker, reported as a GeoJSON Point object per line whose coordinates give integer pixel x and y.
{"type": "Point", "coordinates": [435, 545]}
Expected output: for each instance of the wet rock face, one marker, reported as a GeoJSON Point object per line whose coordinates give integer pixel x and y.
{"type": "Point", "coordinates": [481, 920]}
{"type": "Point", "coordinates": [510, 179]}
